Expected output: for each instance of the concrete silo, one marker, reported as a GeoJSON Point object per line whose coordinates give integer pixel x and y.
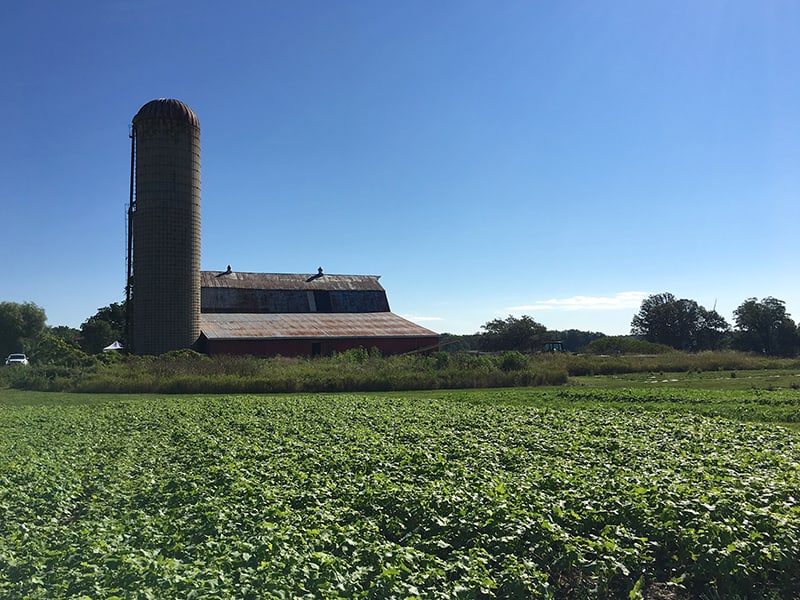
{"type": "Point", "coordinates": [164, 228]}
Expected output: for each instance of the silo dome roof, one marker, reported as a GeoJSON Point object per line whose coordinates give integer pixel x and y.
{"type": "Point", "coordinates": [167, 108]}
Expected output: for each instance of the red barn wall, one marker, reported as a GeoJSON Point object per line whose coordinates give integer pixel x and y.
{"type": "Point", "coordinates": [305, 347]}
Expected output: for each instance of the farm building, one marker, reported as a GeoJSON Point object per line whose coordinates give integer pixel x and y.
{"type": "Point", "coordinates": [173, 305]}
{"type": "Point", "coordinates": [265, 314]}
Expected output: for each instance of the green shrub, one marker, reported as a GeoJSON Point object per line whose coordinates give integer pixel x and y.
{"type": "Point", "coordinates": [184, 355]}
{"type": "Point", "coordinates": [616, 345]}
{"type": "Point", "coordinates": [53, 350]}
{"type": "Point", "coordinates": [471, 361]}
{"type": "Point", "coordinates": [513, 361]}
{"type": "Point", "coordinates": [441, 360]}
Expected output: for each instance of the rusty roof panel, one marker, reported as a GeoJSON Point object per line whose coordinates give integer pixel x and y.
{"type": "Point", "coordinates": [289, 281]}
{"type": "Point", "coordinates": [309, 326]}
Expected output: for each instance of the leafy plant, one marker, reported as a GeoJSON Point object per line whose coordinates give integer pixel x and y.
{"type": "Point", "coordinates": [513, 361]}
{"type": "Point", "coordinates": [508, 493]}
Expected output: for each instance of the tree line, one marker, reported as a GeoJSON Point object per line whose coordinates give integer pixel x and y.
{"type": "Point", "coordinates": [761, 326]}
{"type": "Point", "coordinates": [23, 329]}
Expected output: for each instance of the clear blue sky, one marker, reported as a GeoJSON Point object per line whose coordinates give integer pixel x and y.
{"type": "Point", "coordinates": [486, 158]}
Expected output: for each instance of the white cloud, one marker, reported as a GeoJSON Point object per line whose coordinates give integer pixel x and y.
{"type": "Point", "coordinates": [417, 319]}
{"type": "Point", "coordinates": [623, 300]}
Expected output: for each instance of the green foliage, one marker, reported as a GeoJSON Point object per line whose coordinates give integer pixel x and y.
{"type": "Point", "coordinates": [575, 340]}
{"type": "Point", "coordinates": [441, 360]}
{"type": "Point", "coordinates": [765, 326]}
{"type": "Point", "coordinates": [675, 362]}
{"type": "Point", "coordinates": [53, 350]}
{"type": "Point", "coordinates": [68, 334]}
{"type": "Point", "coordinates": [96, 335]}
{"type": "Point", "coordinates": [745, 404]}
{"type": "Point", "coordinates": [357, 369]}
{"type": "Point", "coordinates": [625, 345]}
{"type": "Point", "coordinates": [185, 355]}
{"type": "Point", "coordinates": [480, 494]}
{"type": "Point", "coordinates": [682, 324]}
{"type": "Point", "coordinates": [514, 361]}
{"type": "Point", "coordinates": [103, 328]}
{"type": "Point", "coordinates": [522, 334]}
{"type": "Point", "coordinates": [186, 371]}
{"type": "Point", "coordinates": [20, 325]}
{"type": "Point", "coordinates": [357, 356]}
{"type": "Point", "coordinates": [453, 344]}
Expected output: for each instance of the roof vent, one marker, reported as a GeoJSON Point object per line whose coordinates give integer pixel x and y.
{"type": "Point", "coordinates": [317, 276]}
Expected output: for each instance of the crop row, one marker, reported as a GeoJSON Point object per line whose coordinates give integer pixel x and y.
{"type": "Point", "coordinates": [755, 405]}
{"type": "Point", "coordinates": [391, 497]}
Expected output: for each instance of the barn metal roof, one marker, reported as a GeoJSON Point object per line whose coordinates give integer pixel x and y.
{"type": "Point", "coordinates": [289, 281]}
{"type": "Point", "coordinates": [308, 326]}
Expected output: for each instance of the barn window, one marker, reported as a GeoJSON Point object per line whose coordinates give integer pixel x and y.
{"type": "Point", "coordinates": [322, 298]}
{"type": "Point", "coordinates": [316, 348]}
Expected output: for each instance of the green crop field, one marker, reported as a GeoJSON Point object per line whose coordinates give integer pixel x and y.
{"type": "Point", "coordinates": [569, 492]}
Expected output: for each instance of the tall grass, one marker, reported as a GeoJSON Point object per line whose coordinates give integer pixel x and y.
{"type": "Point", "coordinates": [188, 372]}
{"type": "Point", "coordinates": [674, 362]}
{"type": "Point", "coordinates": [355, 370]}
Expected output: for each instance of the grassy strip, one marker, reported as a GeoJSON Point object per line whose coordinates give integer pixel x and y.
{"type": "Point", "coordinates": [360, 370]}
{"type": "Point", "coordinates": [673, 362]}
{"type": "Point", "coordinates": [187, 372]}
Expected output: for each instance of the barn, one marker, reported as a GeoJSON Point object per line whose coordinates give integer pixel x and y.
{"type": "Point", "coordinates": [266, 314]}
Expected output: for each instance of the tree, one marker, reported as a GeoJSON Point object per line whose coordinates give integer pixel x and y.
{"type": "Point", "coordinates": [68, 334]}
{"type": "Point", "coordinates": [681, 324]}
{"type": "Point", "coordinates": [575, 340]}
{"type": "Point", "coordinates": [96, 335]}
{"type": "Point", "coordinates": [20, 325]}
{"type": "Point", "coordinates": [713, 331]}
{"type": "Point", "coordinates": [765, 327]}
{"type": "Point", "coordinates": [104, 327]}
{"type": "Point", "coordinates": [55, 350]}
{"type": "Point", "coordinates": [523, 334]}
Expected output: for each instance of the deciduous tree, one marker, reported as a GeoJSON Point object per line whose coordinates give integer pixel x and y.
{"type": "Point", "coordinates": [679, 323]}
{"type": "Point", "coordinates": [765, 326]}
{"type": "Point", "coordinates": [20, 325]}
{"type": "Point", "coordinates": [68, 334]}
{"type": "Point", "coordinates": [522, 334]}
{"type": "Point", "coordinates": [103, 328]}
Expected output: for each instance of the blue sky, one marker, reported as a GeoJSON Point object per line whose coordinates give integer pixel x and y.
{"type": "Point", "coordinates": [558, 159]}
